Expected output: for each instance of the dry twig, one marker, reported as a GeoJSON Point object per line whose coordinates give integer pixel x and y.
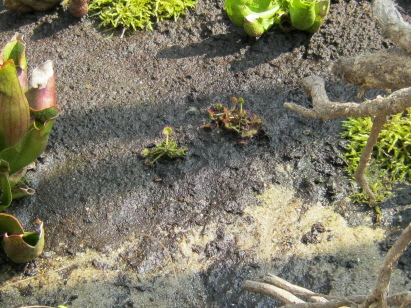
{"type": "Point", "coordinates": [287, 293]}
{"type": "Point", "coordinates": [387, 69]}
{"type": "Point", "coordinates": [391, 259]}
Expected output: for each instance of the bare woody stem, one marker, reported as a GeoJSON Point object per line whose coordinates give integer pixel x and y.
{"type": "Point", "coordinates": [364, 71]}
{"type": "Point", "coordinates": [380, 293]}
{"type": "Point", "coordinates": [379, 108]}
{"type": "Point", "coordinates": [281, 283]}
{"type": "Point", "coordinates": [273, 291]}
{"type": "Point", "coordinates": [394, 26]}
{"type": "Point", "coordinates": [286, 292]}
{"type": "Point", "coordinates": [325, 109]}
{"type": "Point", "coordinates": [359, 173]}
{"type": "Point", "coordinates": [385, 69]}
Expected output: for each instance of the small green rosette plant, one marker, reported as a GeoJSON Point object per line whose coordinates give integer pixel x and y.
{"type": "Point", "coordinates": [166, 149]}
{"type": "Point", "coordinates": [26, 117]}
{"type": "Point", "coordinates": [257, 16]}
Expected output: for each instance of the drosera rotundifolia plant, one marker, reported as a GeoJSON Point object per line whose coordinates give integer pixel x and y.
{"type": "Point", "coordinates": [137, 14]}
{"type": "Point", "coordinates": [27, 116]}
{"type": "Point", "coordinates": [167, 149]}
{"type": "Point", "coordinates": [235, 119]}
{"type": "Point", "coordinates": [257, 16]}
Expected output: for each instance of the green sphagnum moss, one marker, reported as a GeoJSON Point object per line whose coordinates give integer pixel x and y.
{"type": "Point", "coordinates": [391, 160]}
{"type": "Point", "coordinates": [137, 14]}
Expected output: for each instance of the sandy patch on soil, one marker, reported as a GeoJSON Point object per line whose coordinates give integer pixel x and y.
{"type": "Point", "coordinates": [271, 233]}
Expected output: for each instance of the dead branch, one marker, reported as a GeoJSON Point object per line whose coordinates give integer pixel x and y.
{"type": "Point", "coordinates": [393, 25]}
{"type": "Point", "coordinates": [391, 259]}
{"type": "Point", "coordinates": [397, 300]}
{"type": "Point", "coordinates": [287, 292]}
{"type": "Point", "coordinates": [270, 290]}
{"type": "Point", "coordinates": [325, 109]}
{"type": "Point", "coordinates": [333, 304]}
{"type": "Point", "coordinates": [365, 157]}
{"type": "Point", "coordinates": [386, 69]}
{"type": "Point", "coordinates": [400, 299]}
{"type": "Point", "coordinates": [281, 283]}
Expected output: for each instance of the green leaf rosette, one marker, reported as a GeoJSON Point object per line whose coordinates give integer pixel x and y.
{"type": "Point", "coordinates": [257, 16]}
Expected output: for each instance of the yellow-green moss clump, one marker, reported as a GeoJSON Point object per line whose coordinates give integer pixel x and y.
{"type": "Point", "coordinates": [391, 160]}
{"type": "Point", "coordinates": [137, 14]}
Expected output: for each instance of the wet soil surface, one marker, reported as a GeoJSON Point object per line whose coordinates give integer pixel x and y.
{"type": "Point", "coordinates": [187, 233]}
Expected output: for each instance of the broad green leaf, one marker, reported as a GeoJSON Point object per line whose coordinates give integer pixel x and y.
{"type": "Point", "coordinates": [14, 108]}
{"type": "Point", "coordinates": [6, 195]}
{"type": "Point", "coordinates": [16, 51]}
{"type": "Point", "coordinates": [10, 225]}
{"type": "Point", "coordinates": [302, 13]}
{"type": "Point", "coordinates": [32, 144]}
